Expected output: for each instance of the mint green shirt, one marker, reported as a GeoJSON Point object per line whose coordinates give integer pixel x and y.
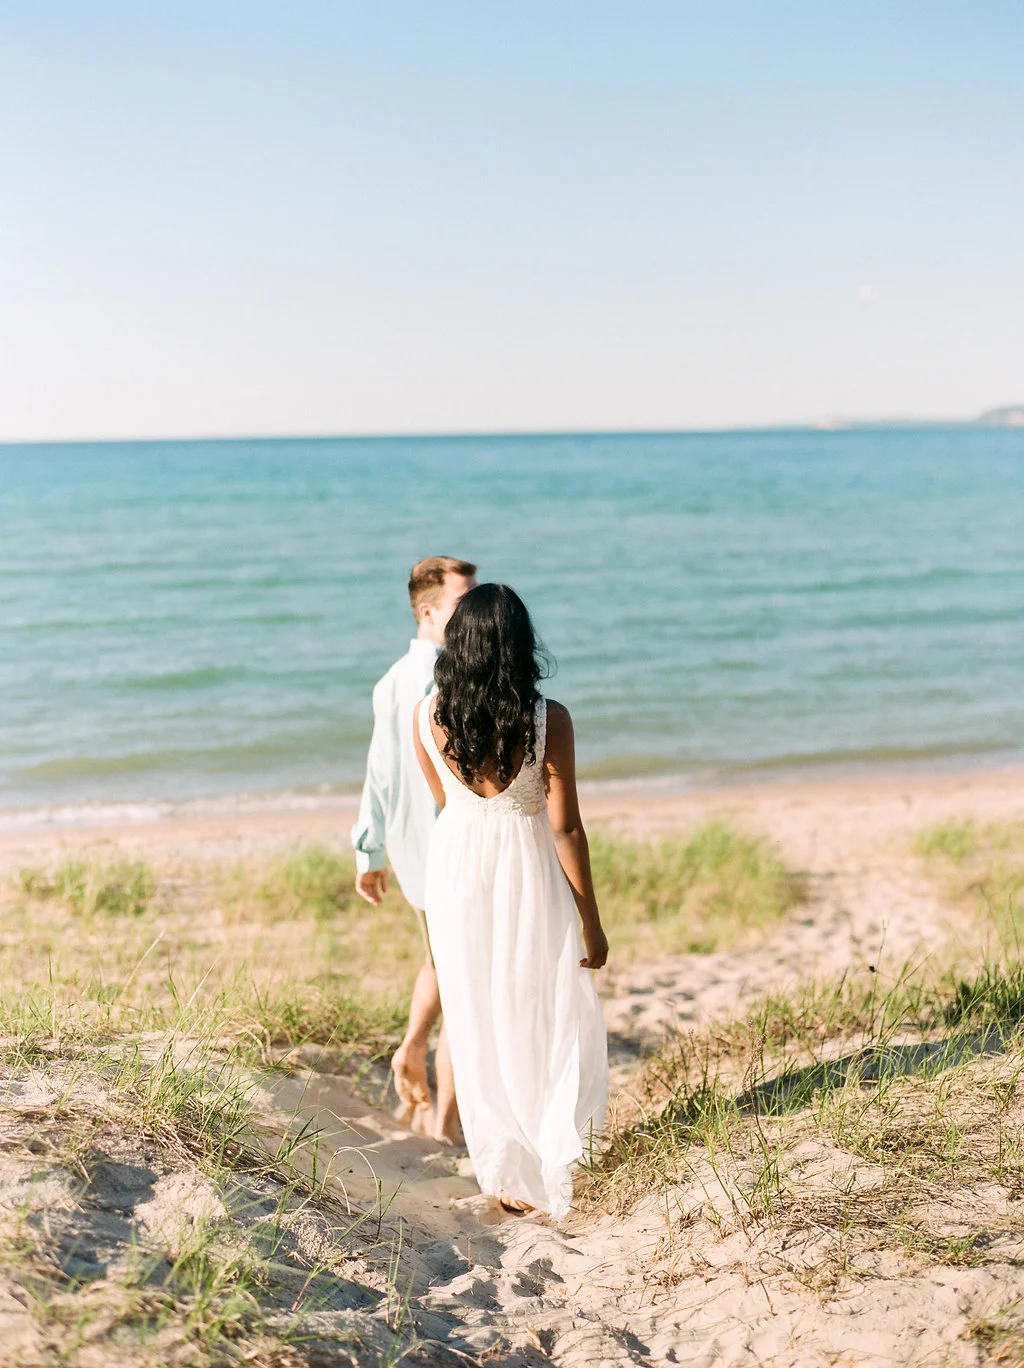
{"type": "Point", "coordinates": [397, 810]}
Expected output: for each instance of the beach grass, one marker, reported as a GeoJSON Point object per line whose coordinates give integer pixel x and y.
{"type": "Point", "coordinates": [981, 866]}
{"type": "Point", "coordinates": [139, 1002]}
{"type": "Point", "coordinates": [87, 887]}
{"type": "Point", "coordinates": [270, 956]}
{"type": "Point", "coordinates": [142, 1222]}
{"type": "Point", "coordinates": [72, 980]}
{"type": "Point", "coordinates": [313, 881]}
{"type": "Point", "coordinates": [848, 1120]}
{"type": "Point", "coordinates": [135, 1023]}
{"type": "Point", "coordinates": [283, 950]}
{"type": "Point", "coordinates": [863, 1115]}
{"type": "Point", "coordinates": [698, 893]}
{"type": "Point", "coordinates": [278, 953]}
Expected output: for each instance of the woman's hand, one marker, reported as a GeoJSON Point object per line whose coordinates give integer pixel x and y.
{"type": "Point", "coordinates": [595, 943]}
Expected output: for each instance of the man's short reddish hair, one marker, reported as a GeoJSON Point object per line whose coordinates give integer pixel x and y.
{"type": "Point", "coordinates": [426, 578]}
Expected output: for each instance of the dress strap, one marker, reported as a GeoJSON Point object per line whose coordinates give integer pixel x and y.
{"type": "Point", "coordinates": [540, 722]}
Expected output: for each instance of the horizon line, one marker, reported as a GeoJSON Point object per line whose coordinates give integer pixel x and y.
{"type": "Point", "coordinates": [822, 425]}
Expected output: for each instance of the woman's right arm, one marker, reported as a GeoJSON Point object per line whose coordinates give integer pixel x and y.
{"type": "Point", "coordinates": [426, 764]}
{"type": "Point", "coordinates": [567, 829]}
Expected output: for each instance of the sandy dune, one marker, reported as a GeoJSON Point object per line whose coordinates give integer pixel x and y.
{"type": "Point", "coordinates": [680, 1280]}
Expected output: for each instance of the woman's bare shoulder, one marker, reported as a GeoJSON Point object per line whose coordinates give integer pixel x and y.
{"type": "Point", "coordinates": [559, 722]}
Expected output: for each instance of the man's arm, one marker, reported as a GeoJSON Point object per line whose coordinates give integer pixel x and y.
{"type": "Point", "coordinates": [369, 832]}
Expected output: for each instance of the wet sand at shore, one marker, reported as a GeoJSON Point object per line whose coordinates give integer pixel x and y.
{"type": "Point", "coordinates": [806, 816]}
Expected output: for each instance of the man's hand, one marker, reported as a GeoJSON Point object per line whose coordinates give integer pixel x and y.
{"type": "Point", "coordinates": [595, 943]}
{"type": "Point", "coordinates": [372, 885]}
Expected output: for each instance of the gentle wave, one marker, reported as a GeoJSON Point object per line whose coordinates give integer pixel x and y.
{"type": "Point", "coordinates": [189, 679]}
{"type": "Point", "coordinates": [93, 814]}
{"type": "Point", "coordinates": [887, 756]}
{"type": "Point", "coordinates": [138, 762]}
{"type": "Point", "coordinates": [662, 772]}
{"type": "Point", "coordinates": [207, 760]}
{"type": "Point", "coordinates": [629, 766]}
{"type": "Point", "coordinates": [609, 769]}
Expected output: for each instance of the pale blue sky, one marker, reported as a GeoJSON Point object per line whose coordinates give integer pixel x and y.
{"type": "Point", "coordinates": [330, 217]}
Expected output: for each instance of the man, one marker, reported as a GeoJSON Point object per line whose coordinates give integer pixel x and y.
{"type": "Point", "coordinates": [397, 812]}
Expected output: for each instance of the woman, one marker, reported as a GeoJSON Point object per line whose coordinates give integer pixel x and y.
{"type": "Point", "coordinates": [507, 872]}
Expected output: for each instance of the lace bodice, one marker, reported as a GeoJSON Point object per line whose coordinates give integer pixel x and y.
{"type": "Point", "coordinates": [525, 794]}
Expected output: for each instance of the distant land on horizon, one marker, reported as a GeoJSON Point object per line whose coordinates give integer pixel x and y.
{"type": "Point", "coordinates": [1006, 416]}
{"type": "Point", "coordinates": [1010, 416]}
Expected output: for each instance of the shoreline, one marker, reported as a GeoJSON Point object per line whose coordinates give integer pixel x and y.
{"type": "Point", "coordinates": [642, 790]}
{"type": "Point", "coordinates": [805, 815]}
{"type": "Point", "coordinates": [784, 774]}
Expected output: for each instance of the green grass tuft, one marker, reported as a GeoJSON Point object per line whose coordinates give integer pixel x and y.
{"type": "Point", "coordinates": [954, 841]}
{"type": "Point", "coordinates": [892, 1075]}
{"type": "Point", "coordinates": [690, 894]}
{"type": "Point", "coordinates": [984, 867]}
{"type": "Point", "coordinates": [331, 1014]}
{"type": "Point", "coordinates": [311, 882]}
{"type": "Point", "coordinates": [85, 887]}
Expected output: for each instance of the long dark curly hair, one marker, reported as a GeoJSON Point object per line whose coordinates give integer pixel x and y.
{"type": "Point", "coordinates": [487, 677]}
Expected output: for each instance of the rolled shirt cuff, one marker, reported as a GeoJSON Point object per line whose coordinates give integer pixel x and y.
{"type": "Point", "coordinates": [368, 861]}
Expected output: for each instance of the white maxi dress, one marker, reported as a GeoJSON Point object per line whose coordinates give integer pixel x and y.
{"type": "Point", "coordinates": [525, 1025]}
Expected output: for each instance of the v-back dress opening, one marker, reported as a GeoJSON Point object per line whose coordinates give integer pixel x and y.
{"type": "Point", "coordinates": [525, 1026]}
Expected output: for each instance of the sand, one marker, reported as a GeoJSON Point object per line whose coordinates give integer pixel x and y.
{"type": "Point", "coordinates": [680, 1279]}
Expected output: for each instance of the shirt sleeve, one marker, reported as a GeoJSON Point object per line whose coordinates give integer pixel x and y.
{"type": "Point", "coordinates": [370, 829]}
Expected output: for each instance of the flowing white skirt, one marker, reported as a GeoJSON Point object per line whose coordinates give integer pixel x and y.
{"type": "Point", "coordinates": [525, 1026]}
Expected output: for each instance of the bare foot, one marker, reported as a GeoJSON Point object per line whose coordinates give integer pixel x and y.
{"type": "Point", "coordinates": [515, 1206]}
{"type": "Point", "coordinates": [409, 1066]}
{"type": "Point", "coordinates": [448, 1132]}
{"type": "Point", "coordinates": [421, 1122]}
{"type": "Point", "coordinates": [418, 1116]}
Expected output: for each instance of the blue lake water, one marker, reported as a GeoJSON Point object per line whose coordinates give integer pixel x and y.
{"type": "Point", "coordinates": [189, 618]}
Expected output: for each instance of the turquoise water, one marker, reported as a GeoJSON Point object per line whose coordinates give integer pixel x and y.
{"type": "Point", "coordinates": [189, 618]}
